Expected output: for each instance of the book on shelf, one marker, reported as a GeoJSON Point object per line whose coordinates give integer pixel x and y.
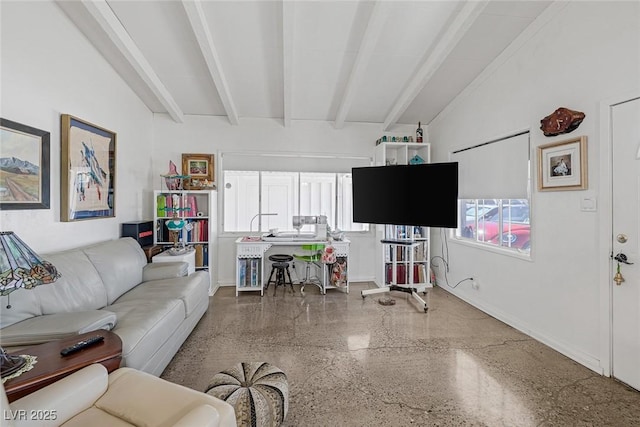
{"type": "Point", "coordinates": [249, 272]}
{"type": "Point", "coordinates": [192, 206]}
{"type": "Point", "coordinates": [161, 203]}
{"type": "Point", "coordinates": [242, 269]}
{"type": "Point", "coordinates": [199, 255]}
{"type": "Point", "coordinates": [402, 274]}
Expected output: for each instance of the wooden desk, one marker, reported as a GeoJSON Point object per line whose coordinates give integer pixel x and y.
{"type": "Point", "coordinates": [51, 366]}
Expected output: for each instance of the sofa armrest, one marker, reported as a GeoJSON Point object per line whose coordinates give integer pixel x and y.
{"type": "Point", "coordinates": [164, 270]}
{"type": "Point", "coordinates": [49, 327]}
{"type": "Point", "coordinates": [63, 399]}
{"type": "Point", "coordinates": [201, 416]}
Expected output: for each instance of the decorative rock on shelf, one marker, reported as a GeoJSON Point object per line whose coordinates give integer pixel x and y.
{"type": "Point", "coordinates": [563, 120]}
{"type": "Point", "coordinates": [258, 391]}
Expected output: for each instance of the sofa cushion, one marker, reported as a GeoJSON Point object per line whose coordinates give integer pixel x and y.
{"type": "Point", "coordinates": [96, 417]}
{"type": "Point", "coordinates": [191, 290]}
{"type": "Point", "coordinates": [165, 270]}
{"type": "Point", "coordinates": [70, 395]}
{"type": "Point", "coordinates": [119, 263]}
{"type": "Point", "coordinates": [157, 408]}
{"type": "Point", "coordinates": [145, 325]}
{"type": "Point", "coordinates": [24, 305]}
{"type": "Point", "coordinates": [80, 287]}
{"type": "Point", "coordinates": [49, 327]}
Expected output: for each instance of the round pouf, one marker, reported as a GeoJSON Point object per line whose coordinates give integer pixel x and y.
{"type": "Point", "coordinates": [258, 391]}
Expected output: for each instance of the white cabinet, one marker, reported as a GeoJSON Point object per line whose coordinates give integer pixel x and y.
{"type": "Point", "coordinates": [197, 208]}
{"type": "Point", "coordinates": [402, 153]}
{"type": "Point", "coordinates": [250, 264]}
{"type": "Point", "coordinates": [405, 256]}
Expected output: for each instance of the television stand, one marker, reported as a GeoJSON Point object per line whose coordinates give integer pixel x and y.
{"type": "Point", "coordinates": [413, 290]}
{"type": "Point", "coordinates": [405, 263]}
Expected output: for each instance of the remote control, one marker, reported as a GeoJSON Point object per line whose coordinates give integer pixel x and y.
{"type": "Point", "coordinates": [81, 344]}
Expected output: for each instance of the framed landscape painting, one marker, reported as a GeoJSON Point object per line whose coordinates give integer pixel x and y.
{"type": "Point", "coordinates": [201, 170]}
{"type": "Point", "coordinates": [24, 167]}
{"type": "Point", "coordinates": [88, 166]}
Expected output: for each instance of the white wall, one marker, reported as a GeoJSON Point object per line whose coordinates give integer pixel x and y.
{"type": "Point", "coordinates": [200, 134]}
{"type": "Point", "coordinates": [586, 52]}
{"type": "Point", "coordinates": [48, 68]}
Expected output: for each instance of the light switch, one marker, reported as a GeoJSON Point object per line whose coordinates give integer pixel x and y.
{"type": "Point", "coordinates": [589, 203]}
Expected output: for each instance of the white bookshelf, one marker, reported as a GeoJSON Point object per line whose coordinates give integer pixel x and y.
{"type": "Point", "coordinates": [198, 209]}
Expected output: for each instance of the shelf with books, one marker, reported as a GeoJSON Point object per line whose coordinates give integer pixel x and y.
{"type": "Point", "coordinates": [250, 264]}
{"type": "Point", "coordinates": [404, 261]}
{"type": "Point", "coordinates": [194, 211]}
{"type": "Point", "coordinates": [249, 274]}
{"type": "Point", "coordinates": [405, 256]}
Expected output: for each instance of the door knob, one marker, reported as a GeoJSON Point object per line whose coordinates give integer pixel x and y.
{"type": "Point", "coordinates": [621, 238]}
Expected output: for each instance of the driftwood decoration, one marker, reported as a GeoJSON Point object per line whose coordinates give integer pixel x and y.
{"type": "Point", "coordinates": [563, 120]}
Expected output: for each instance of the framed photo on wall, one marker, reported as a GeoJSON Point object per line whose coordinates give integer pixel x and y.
{"type": "Point", "coordinates": [563, 165]}
{"type": "Point", "coordinates": [201, 171]}
{"type": "Point", "coordinates": [24, 167]}
{"type": "Point", "coordinates": [88, 168]}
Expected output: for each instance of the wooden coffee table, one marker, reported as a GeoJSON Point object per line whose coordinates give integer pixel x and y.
{"type": "Point", "coordinates": [51, 366]}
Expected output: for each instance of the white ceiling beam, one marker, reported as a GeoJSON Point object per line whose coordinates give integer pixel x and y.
{"type": "Point", "coordinates": [201, 30]}
{"type": "Point", "coordinates": [458, 28]}
{"type": "Point", "coordinates": [117, 34]}
{"type": "Point", "coordinates": [375, 27]}
{"type": "Point", "coordinates": [287, 57]}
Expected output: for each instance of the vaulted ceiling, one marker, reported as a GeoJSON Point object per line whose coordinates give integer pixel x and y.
{"type": "Point", "coordinates": [382, 62]}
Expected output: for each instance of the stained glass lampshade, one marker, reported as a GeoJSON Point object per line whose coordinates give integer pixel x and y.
{"type": "Point", "coordinates": [20, 267]}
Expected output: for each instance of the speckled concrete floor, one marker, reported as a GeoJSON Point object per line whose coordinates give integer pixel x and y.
{"type": "Point", "coordinates": [354, 362]}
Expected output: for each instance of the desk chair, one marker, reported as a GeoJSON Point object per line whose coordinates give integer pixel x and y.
{"type": "Point", "coordinates": [311, 259]}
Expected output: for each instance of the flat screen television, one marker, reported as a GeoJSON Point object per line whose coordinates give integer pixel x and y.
{"type": "Point", "coordinates": [424, 194]}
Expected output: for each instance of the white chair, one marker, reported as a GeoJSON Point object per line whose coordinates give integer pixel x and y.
{"type": "Point", "coordinates": [126, 397]}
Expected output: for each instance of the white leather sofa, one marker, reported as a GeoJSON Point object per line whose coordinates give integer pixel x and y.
{"type": "Point", "coordinates": [109, 285]}
{"type": "Point", "coordinates": [126, 397]}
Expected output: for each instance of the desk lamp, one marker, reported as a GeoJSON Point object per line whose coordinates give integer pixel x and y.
{"type": "Point", "coordinates": [20, 267]}
{"type": "Point", "coordinates": [259, 215]}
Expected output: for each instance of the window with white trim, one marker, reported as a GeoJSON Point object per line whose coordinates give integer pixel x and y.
{"type": "Point", "coordinates": [264, 191]}
{"type": "Point", "coordinates": [494, 188]}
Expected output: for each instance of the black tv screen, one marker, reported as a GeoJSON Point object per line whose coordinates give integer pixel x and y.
{"type": "Point", "coordinates": [424, 194]}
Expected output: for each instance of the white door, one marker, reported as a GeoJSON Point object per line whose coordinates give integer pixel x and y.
{"type": "Point", "coordinates": [625, 122]}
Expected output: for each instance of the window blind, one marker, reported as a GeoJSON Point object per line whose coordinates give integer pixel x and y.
{"type": "Point", "coordinates": [291, 162]}
{"type": "Point", "coordinates": [497, 169]}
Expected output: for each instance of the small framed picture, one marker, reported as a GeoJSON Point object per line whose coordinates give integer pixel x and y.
{"type": "Point", "coordinates": [24, 167]}
{"type": "Point", "coordinates": [563, 165]}
{"type": "Point", "coordinates": [87, 171]}
{"type": "Point", "coordinates": [200, 168]}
